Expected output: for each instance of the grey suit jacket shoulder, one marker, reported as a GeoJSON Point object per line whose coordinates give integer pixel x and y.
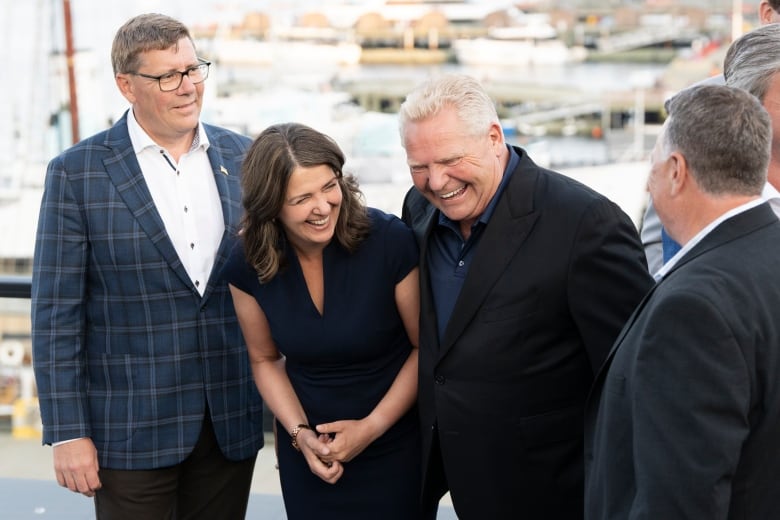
{"type": "Point", "coordinates": [683, 419]}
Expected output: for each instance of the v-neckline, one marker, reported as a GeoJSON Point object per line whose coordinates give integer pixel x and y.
{"type": "Point", "coordinates": [305, 284]}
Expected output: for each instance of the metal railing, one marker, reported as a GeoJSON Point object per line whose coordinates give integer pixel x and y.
{"type": "Point", "coordinates": [20, 286]}
{"type": "Point", "coordinates": [15, 286]}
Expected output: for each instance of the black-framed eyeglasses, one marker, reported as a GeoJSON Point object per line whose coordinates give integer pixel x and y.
{"type": "Point", "coordinates": [172, 80]}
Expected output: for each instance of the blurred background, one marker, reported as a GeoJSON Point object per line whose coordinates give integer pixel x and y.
{"type": "Point", "coordinates": [579, 83]}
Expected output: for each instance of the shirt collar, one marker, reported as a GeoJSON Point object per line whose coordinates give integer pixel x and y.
{"type": "Point", "coordinates": [772, 196]}
{"type": "Point", "coordinates": [141, 140]}
{"type": "Point", "coordinates": [669, 265]}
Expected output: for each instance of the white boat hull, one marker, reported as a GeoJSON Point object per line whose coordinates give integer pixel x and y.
{"type": "Point", "coordinates": [514, 53]}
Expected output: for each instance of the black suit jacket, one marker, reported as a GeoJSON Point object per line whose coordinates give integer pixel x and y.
{"type": "Point", "coordinates": [557, 272]}
{"type": "Point", "coordinates": [684, 418]}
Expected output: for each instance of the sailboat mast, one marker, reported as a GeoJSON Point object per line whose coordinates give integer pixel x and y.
{"type": "Point", "coordinates": [69, 56]}
{"type": "Point", "coordinates": [736, 19]}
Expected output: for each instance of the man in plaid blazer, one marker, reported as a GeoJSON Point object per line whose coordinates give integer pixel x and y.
{"type": "Point", "coordinates": [145, 387]}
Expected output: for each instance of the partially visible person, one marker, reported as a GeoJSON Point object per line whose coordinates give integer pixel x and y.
{"type": "Point", "coordinates": [659, 247]}
{"type": "Point", "coordinates": [144, 382]}
{"type": "Point", "coordinates": [527, 277]}
{"type": "Point", "coordinates": [769, 11]}
{"type": "Point", "coordinates": [752, 63]}
{"type": "Point", "coordinates": [326, 291]}
{"type": "Point", "coordinates": [651, 234]}
{"type": "Point", "coordinates": [683, 419]}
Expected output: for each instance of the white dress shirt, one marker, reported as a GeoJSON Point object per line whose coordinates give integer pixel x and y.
{"type": "Point", "coordinates": [186, 197]}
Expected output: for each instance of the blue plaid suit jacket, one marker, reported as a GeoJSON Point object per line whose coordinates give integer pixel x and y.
{"type": "Point", "coordinates": [125, 349]}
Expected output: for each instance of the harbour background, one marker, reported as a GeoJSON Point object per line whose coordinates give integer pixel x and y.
{"type": "Point", "coordinates": [353, 103]}
{"type": "Point", "coordinates": [33, 49]}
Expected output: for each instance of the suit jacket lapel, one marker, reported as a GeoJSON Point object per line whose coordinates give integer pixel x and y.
{"type": "Point", "coordinates": [125, 172]}
{"type": "Point", "coordinates": [507, 229]}
{"type": "Point", "coordinates": [423, 228]}
{"type": "Point", "coordinates": [226, 176]}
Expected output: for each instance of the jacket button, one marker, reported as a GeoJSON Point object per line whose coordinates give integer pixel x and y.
{"type": "Point", "coordinates": [439, 380]}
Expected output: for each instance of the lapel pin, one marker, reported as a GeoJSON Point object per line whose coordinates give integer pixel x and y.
{"type": "Point", "coordinates": [223, 170]}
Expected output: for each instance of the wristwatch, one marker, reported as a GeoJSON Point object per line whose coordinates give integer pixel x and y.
{"type": "Point", "coordinates": [294, 434]}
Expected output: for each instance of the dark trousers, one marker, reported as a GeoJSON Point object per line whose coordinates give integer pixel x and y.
{"type": "Point", "coordinates": [205, 486]}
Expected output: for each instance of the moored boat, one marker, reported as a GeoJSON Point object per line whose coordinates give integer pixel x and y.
{"type": "Point", "coordinates": [521, 46]}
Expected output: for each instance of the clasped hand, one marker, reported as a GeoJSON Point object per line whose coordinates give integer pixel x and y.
{"type": "Point", "coordinates": [333, 444]}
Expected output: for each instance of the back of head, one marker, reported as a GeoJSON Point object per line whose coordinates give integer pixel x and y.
{"type": "Point", "coordinates": [724, 133]}
{"type": "Point", "coordinates": [753, 59]}
{"type": "Point", "coordinates": [475, 109]}
{"type": "Point", "coordinates": [142, 33]}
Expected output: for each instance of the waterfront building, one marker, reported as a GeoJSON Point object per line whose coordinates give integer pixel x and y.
{"type": "Point", "coordinates": [350, 98]}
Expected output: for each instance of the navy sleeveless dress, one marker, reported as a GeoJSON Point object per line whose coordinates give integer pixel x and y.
{"type": "Point", "coordinates": [341, 364]}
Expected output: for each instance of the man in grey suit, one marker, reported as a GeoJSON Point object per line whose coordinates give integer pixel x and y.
{"type": "Point", "coordinates": [658, 246]}
{"type": "Point", "coordinates": [526, 278]}
{"type": "Point", "coordinates": [145, 387]}
{"type": "Point", "coordinates": [684, 418]}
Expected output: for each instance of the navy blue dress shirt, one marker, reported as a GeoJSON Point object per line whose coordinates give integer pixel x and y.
{"type": "Point", "coordinates": [670, 247]}
{"type": "Point", "coordinates": [449, 255]}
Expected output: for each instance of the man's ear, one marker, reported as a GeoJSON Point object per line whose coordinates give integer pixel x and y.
{"type": "Point", "coordinates": [680, 176]}
{"type": "Point", "coordinates": [496, 141]}
{"type": "Point", "coordinates": [125, 87]}
{"type": "Point", "coordinates": [766, 14]}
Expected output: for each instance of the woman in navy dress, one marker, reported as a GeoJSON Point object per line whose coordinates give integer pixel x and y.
{"type": "Point", "coordinates": [326, 292]}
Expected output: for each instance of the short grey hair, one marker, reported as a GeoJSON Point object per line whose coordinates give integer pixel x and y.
{"type": "Point", "coordinates": [753, 59]}
{"type": "Point", "coordinates": [474, 107]}
{"type": "Point", "coordinates": [725, 135]}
